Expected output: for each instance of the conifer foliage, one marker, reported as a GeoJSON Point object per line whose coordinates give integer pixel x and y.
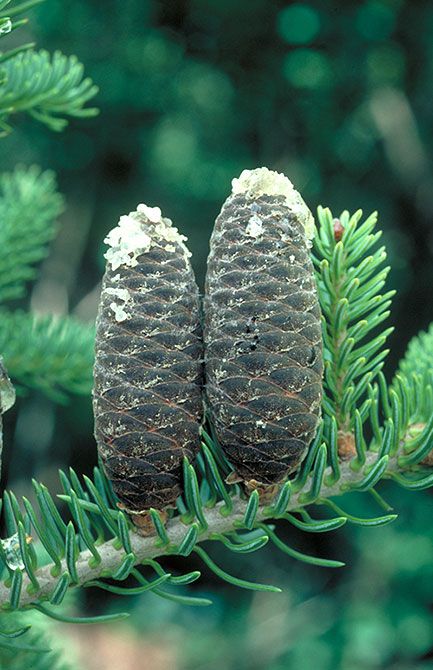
{"type": "Point", "coordinates": [99, 546]}
{"type": "Point", "coordinates": [49, 88]}
{"type": "Point", "coordinates": [369, 429]}
{"type": "Point", "coordinates": [53, 355]}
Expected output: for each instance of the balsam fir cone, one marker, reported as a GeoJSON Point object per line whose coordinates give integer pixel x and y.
{"type": "Point", "coordinates": [148, 366]}
{"type": "Point", "coordinates": [263, 343]}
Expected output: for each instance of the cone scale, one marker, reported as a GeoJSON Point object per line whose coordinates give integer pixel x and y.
{"type": "Point", "coordinates": [263, 343]}
{"type": "Point", "coordinates": [148, 366]}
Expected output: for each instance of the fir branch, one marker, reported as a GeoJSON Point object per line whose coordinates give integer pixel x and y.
{"type": "Point", "coordinates": [416, 372]}
{"type": "Point", "coordinates": [29, 207]}
{"type": "Point", "coordinates": [98, 541]}
{"type": "Point", "coordinates": [31, 651]}
{"type": "Point", "coordinates": [216, 522]}
{"type": "Point", "coordinates": [47, 87]}
{"type": "Point", "coordinates": [350, 277]}
{"type": "Point", "coordinates": [51, 354]}
{"type": "Point", "coordinates": [8, 23]}
{"type": "Point", "coordinates": [11, 9]}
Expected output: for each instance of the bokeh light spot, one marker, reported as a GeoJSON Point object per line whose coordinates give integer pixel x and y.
{"type": "Point", "coordinates": [305, 68]}
{"type": "Point", "coordinates": [386, 65]}
{"type": "Point", "coordinates": [375, 20]}
{"type": "Point", "coordinates": [298, 24]}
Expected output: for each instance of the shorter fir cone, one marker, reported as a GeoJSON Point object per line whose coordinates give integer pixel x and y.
{"type": "Point", "coordinates": [263, 342]}
{"type": "Point", "coordinates": [148, 367]}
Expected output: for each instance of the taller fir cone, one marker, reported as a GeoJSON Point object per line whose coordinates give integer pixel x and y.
{"type": "Point", "coordinates": [263, 342]}
{"type": "Point", "coordinates": [148, 368]}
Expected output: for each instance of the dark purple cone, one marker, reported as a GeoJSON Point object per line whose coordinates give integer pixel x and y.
{"type": "Point", "coordinates": [148, 367]}
{"type": "Point", "coordinates": [263, 343]}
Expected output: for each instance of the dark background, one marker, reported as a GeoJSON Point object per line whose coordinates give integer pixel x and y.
{"type": "Point", "coordinates": [339, 96]}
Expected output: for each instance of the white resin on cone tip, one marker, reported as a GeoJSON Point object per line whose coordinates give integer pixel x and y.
{"type": "Point", "coordinates": [262, 181]}
{"type": "Point", "coordinates": [139, 231]}
{"type": "Point", "coordinates": [136, 234]}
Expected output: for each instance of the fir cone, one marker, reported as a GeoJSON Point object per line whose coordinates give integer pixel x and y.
{"type": "Point", "coordinates": [263, 343]}
{"type": "Point", "coordinates": [148, 368]}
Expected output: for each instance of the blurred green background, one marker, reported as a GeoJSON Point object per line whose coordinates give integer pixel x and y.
{"type": "Point", "coordinates": [339, 96]}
